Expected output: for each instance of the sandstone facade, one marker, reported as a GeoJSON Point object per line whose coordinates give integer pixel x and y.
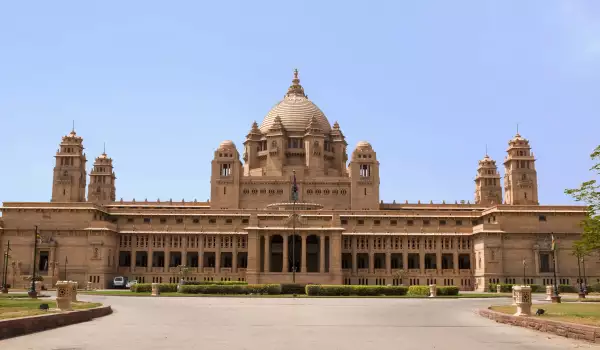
{"type": "Point", "coordinates": [337, 231]}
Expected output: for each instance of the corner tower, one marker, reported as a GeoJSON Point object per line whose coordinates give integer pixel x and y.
{"type": "Point", "coordinates": [364, 174]}
{"type": "Point", "coordinates": [487, 183]}
{"type": "Point", "coordinates": [225, 177]}
{"type": "Point", "coordinates": [69, 179]}
{"type": "Point", "coordinates": [520, 176]}
{"type": "Point", "coordinates": [102, 181]}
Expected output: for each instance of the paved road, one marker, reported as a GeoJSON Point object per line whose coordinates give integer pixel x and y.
{"type": "Point", "coordinates": [303, 324]}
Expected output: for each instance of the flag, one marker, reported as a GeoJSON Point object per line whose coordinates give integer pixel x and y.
{"type": "Point", "coordinates": [553, 243]}
{"type": "Point", "coordinates": [294, 188]}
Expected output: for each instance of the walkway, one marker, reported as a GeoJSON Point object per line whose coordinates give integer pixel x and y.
{"type": "Point", "coordinates": [303, 324]}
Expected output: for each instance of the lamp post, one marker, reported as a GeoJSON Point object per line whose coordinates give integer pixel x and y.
{"type": "Point", "coordinates": [524, 269]}
{"type": "Point", "coordinates": [555, 297]}
{"type": "Point", "coordinates": [32, 293]}
{"type": "Point", "coordinates": [5, 269]}
{"type": "Point", "coordinates": [585, 290]}
{"type": "Point", "coordinates": [581, 292]}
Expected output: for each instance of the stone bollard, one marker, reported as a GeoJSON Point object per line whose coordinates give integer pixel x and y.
{"type": "Point", "coordinates": [88, 286]}
{"type": "Point", "coordinates": [498, 288]}
{"type": "Point", "coordinates": [523, 300]}
{"type": "Point", "coordinates": [73, 290]}
{"type": "Point", "coordinates": [155, 290]}
{"type": "Point", "coordinates": [432, 290]}
{"type": "Point", "coordinates": [549, 293]}
{"type": "Point", "coordinates": [63, 295]}
{"type": "Point", "coordinates": [38, 286]}
{"type": "Point", "coordinates": [514, 296]}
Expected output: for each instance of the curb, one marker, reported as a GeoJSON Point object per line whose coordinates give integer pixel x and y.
{"type": "Point", "coordinates": [14, 327]}
{"type": "Point", "coordinates": [563, 329]}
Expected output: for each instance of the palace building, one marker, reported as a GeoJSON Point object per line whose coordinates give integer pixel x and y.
{"type": "Point", "coordinates": [337, 231]}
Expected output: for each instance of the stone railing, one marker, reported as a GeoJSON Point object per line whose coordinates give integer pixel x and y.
{"type": "Point", "coordinates": [209, 270]}
{"type": "Point", "coordinates": [241, 270]}
{"type": "Point", "coordinates": [362, 271]}
{"type": "Point", "coordinates": [225, 269]}
{"type": "Point", "coordinates": [380, 271]}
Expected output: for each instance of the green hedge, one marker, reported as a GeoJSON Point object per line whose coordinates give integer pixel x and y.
{"type": "Point", "coordinates": [507, 287]}
{"type": "Point", "coordinates": [218, 283]}
{"type": "Point", "coordinates": [346, 290]}
{"type": "Point", "coordinates": [564, 288]}
{"type": "Point", "coordinates": [447, 290]}
{"type": "Point", "coordinates": [147, 287]}
{"type": "Point", "coordinates": [418, 290]}
{"type": "Point", "coordinates": [231, 289]}
{"type": "Point", "coordinates": [293, 288]}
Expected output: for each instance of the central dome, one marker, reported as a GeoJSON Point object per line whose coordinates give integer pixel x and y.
{"type": "Point", "coordinates": [295, 111]}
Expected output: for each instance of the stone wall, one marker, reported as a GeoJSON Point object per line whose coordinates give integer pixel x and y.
{"type": "Point", "coordinates": [25, 325]}
{"type": "Point", "coordinates": [569, 330]}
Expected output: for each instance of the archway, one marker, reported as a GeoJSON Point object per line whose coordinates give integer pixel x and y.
{"type": "Point", "coordinates": [276, 250]}
{"type": "Point", "coordinates": [312, 253]}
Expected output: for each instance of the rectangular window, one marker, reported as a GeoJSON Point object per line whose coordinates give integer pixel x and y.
{"type": "Point", "coordinates": [425, 222]}
{"type": "Point", "coordinates": [225, 169]}
{"type": "Point", "coordinates": [542, 217]}
{"type": "Point", "coordinates": [409, 222]}
{"type": "Point", "coordinates": [361, 222]}
{"type": "Point", "coordinates": [393, 222]}
{"type": "Point", "coordinates": [163, 221]}
{"type": "Point", "coordinates": [458, 222]}
{"type": "Point", "coordinates": [147, 220]}
{"type": "Point", "coordinates": [344, 222]}
{"type": "Point", "coordinates": [442, 222]}
{"type": "Point", "coordinates": [228, 221]}
{"type": "Point", "coordinates": [212, 221]}
{"type": "Point", "coordinates": [179, 221]}
{"type": "Point", "coordinates": [195, 220]}
{"type": "Point", "coordinates": [244, 221]}
{"type": "Point", "coordinates": [376, 222]}
{"type": "Point", "coordinates": [546, 262]}
{"type": "Point", "coordinates": [130, 220]}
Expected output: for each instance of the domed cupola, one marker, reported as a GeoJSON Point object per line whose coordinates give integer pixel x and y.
{"type": "Point", "coordinates": [295, 111]}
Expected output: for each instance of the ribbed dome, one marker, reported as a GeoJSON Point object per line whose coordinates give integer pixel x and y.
{"type": "Point", "coordinates": [295, 111]}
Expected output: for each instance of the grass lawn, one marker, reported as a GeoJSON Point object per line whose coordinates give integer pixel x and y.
{"type": "Point", "coordinates": [21, 307]}
{"type": "Point", "coordinates": [582, 313]}
{"type": "Point", "coordinates": [131, 294]}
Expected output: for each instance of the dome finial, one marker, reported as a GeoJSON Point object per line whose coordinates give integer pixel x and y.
{"type": "Point", "coordinates": [296, 89]}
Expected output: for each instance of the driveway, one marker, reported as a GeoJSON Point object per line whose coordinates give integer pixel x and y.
{"type": "Point", "coordinates": [302, 324]}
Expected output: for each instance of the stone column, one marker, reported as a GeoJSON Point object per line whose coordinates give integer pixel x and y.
{"type": "Point", "coordinates": [167, 252]}
{"type": "Point", "coordinates": [234, 257]}
{"type": "Point", "coordinates": [218, 254]}
{"type": "Point", "coordinates": [267, 259]}
{"type": "Point", "coordinates": [388, 263]}
{"type": "Point", "coordinates": [303, 259]}
{"type": "Point", "coordinates": [455, 262]}
{"type": "Point", "coordinates": [371, 241]}
{"type": "Point", "coordinates": [354, 256]}
{"type": "Point", "coordinates": [322, 253]}
{"type": "Point", "coordinates": [201, 240]}
{"type": "Point", "coordinates": [438, 254]}
{"type": "Point", "coordinates": [63, 295]}
{"type": "Point", "coordinates": [150, 252]}
{"type": "Point", "coordinates": [285, 253]}
{"type": "Point", "coordinates": [184, 251]}
{"type": "Point", "coordinates": [523, 300]}
{"type": "Point", "coordinates": [133, 251]}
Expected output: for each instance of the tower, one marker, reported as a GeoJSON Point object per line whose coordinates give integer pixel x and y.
{"type": "Point", "coordinates": [338, 146]}
{"type": "Point", "coordinates": [314, 141]}
{"type": "Point", "coordinates": [487, 183]}
{"type": "Point", "coordinates": [520, 177]}
{"type": "Point", "coordinates": [225, 177]}
{"type": "Point", "coordinates": [102, 181]}
{"type": "Point", "coordinates": [364, 174]}
{"type": "Point", "coordinates": [69, 171]}
{"type": "Point", "coordinates": [253, 146]}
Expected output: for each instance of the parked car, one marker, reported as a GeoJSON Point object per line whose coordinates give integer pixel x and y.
{"type": "Point", "coordinates": [130, 284]}
{"type": "Point", "coordinates": [120, 282]}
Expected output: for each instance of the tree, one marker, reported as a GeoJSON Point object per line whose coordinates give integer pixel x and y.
{"type": "Point", "coordinates": [589, 193]}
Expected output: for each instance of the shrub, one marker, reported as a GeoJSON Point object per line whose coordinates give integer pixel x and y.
{"type": "Point", "coordinates": [447, 290]}
{"type": "Point", "coordinates": [219, 283]}
{"type": "Point", "coordinates": [592, 287]}
{"type": "Point", "coordinates": [231, 289]}
{"type": "Point", "coordinates": [418, 290]}
{"type": "Point", "coordinates": [345, 290]}
{"type": "Point", "coordinates": [565, 288]}
{"type": "Point", "coordinates": [147, 288]}
{"type": "Point", "coordinates": [293, 288]}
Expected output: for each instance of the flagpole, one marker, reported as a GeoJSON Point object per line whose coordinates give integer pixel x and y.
{"type": "Point", "coordinates": [294, 195]}
{"type": "Point", "coordinates": [5, 269]}
{"type": "Point", "coordinates": [32, 293]}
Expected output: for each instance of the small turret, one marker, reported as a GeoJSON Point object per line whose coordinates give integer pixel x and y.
{"type": "Point", "coordinates": [69, 171]}
{"type": "Point", "coordinates": [102, 188]}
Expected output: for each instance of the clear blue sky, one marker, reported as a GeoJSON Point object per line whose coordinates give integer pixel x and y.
{"type": "Point", "coordinates": [428, 83]}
